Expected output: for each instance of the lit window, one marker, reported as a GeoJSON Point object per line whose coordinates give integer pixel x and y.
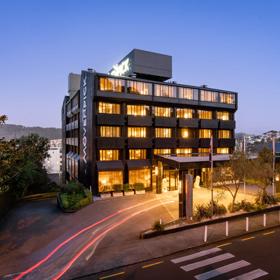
{"type": "Point", "coordinates": [163, 132]}
{"type": "Point", "coordinates": [209, 96]}
{"type": "Point", "coordinates": [184, 113]}
{"type": "Point", "coordinates": [184, 152]}
{"type": "Point", "coordinates": [140, 176]}
{"type": "Point", "coordinates": [110, 84]}
{"type": "Point", "coordinates": [224, 134]}
{"type": "Point", "coordinates": [110, 131]}
{"type": "Point", "coordinates": [222, 150]}
{"type": "Point", "coordinates": [186, 133]}
{"type": "Point", "coordinates": [223, 116]}
{"type": "Point", "coordinates": [202, 114]}
{"type": "Point", "coordinates": [188, 93]}
{"type": "Point", "coordinates": [137, 154]}
{"type": "Point", "coordinates": [162, 112]}
{"type": "Point", "coordinates": [203, 151]}
{"type": "Point", "coordinates": [228, 98]}
{"type": "Point", "coordinates": [162, 151]}
{"type": "Point", "coordinates": [205, 133]}
{"type": "Point", "coordinates": [107, 180]}
{"type": "Point", "coordinates": [139, 88]}
{"type": "Point", "coordinates": [109, 108]}
{"type": "Point", "coordinates": [137, 132]}
{"type": "Point", "coordinates": [108, 155]}
{"type": "Point", "coordinates": [165, 91]}
{"type": "Point", "coordinates": [137, 110]}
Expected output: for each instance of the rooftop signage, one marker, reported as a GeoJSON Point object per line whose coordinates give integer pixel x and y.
{"type": "Point", "coordinates": [121, 69]}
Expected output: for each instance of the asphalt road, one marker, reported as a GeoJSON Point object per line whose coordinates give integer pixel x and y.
{"type": "Point", "coordinates": [255, 256]}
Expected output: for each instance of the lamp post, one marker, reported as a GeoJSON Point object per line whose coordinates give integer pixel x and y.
{"type": "Point", "coordinates": [244, 151]}
{"type": "Point", "coordinates": [211, 175]}
{"type": "Point", "coordinates": [273, 165]}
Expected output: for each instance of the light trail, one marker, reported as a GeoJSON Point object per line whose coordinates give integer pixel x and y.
{"type": "Point", "coordinates": [39, 263]}
{"type": "Point", "coordinates": [86, 247]}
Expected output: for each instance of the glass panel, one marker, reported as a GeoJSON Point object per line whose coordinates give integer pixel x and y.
{"type": "Point", "coordinates": [184, 152]}
{"type": "Point", "coordinates": [188, 93]}
{"type": "Point", "coordinates": [108, 155]}
{"type": "Point", "coordinates": [163, 132]}
{"type": "Point", "coordinates": [209, 96]}
{"type": "Point", "coordinates": [185, 113]}
{"type": "Point", "coordinates": [205, 133]}
{"type": "Point", "coordinates": [222, 150]}
{"type": "Point", "coordinates": [162, 151]}
{"type": "Point", "coordinates": [139, 88]}
{"type": "Point", "coordinates": [142, 176]}
{"type": "Point", "coordinates": [165, 91]}
{"type": "Point", "coordinates": [203, 151]}
{"type": "Point", "coordinates": [109, 108]}
{"type": "Point", "coordinates": [228, 98]}
{"type": "Point", "coordinates": [137, 154]}
{"type": "Point", "coordinates": [110, 131]}
{"type": "Point", "coordinates": [186, 133]}
{"type": "Point", "coordinates": [202, 114]}
{"type": "Point", "coordinates": [137, 132]}
{"type": "Point", "coordinates": [224, 134]}
{"type": "Point", "coordinates": [111, 84]}
{"type": "Point", "coordinates": [107, 179]}
{"type": "Point", "coordinates": [223, 116]}
{"type": "Point", "coordinates": [138, 110]}
{"type": "Point", "coordinates": [162, 111]}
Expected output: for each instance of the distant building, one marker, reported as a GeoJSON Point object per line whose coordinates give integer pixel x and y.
{"type": "Point", "coordinates": [53, 163]}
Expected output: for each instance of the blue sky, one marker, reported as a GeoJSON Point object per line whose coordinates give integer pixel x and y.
{"type": "Point", "coordinates": [231, 45]}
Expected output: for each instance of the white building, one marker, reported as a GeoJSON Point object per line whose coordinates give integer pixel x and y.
{"type": "Point", "coordinates": [53, 163]}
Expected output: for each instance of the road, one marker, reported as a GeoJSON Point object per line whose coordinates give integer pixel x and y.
{"type": "Point", "coordinates": [255, 256]}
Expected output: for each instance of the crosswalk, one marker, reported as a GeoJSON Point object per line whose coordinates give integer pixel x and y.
{"type": "Point", "coordinates": [214, 262]}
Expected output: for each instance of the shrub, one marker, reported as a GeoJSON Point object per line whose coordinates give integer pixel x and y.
{"type": "Point", "coordinates": [117, 187]}
{"type": "Point", "coordinates": [218, 209]}
{"type": "Point", "coordinates": [139, 186]}
{"type": "Point", "coordinates": [202, 212]}
{"type": "Point", "coordinates": [247, 206]}
{"type": "Point", "coordinates": [127, 187]}
{"type": "Point", "coordinates": [158, 226]}
{"type": "Point", "coordinates": [266, 199]}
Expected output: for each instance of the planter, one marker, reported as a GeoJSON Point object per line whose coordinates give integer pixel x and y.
{"type": "Point", "coordinates": [129, 193]}
{"type": "Point", "coordinates": [117, 194]}
{"type": "Point", "coordinates": [140, 192]}
{"type": "Point", "coordinates": [105, 195]}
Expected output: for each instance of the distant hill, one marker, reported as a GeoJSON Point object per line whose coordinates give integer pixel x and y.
{"type": "Point", "coordinates": [10, 131]}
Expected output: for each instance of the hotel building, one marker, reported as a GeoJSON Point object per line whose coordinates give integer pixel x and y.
{"type": "Point", "coordinates": [134, 125]}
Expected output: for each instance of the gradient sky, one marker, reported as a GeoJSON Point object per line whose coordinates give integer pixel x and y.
{"type": "Point", "coordinates": [232, 45]}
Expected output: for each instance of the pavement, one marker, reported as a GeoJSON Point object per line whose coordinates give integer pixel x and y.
{"type": "Point", "coordinates": [255, 256]}
{"type": "Point", "coordinates": [37, 241]}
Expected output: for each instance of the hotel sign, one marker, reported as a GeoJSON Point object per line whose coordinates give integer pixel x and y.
{"type": "Point", "coordinates": [121, 69]}
{"type": "Point", "coordinates": [84, 120]}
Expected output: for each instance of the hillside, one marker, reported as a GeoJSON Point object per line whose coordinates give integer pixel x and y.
{"type": "Point", "coordinates": [10, 131]}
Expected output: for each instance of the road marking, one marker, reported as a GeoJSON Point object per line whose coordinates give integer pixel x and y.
{"type": "Point", "coordinates": [254, 274]}
{"type": "Point", "coordinates": [248, 238]}
{"type": "Point", "coordinates": [225, 244]}
{"type": "Point", "coordinates": [270, 232]}
{"type": "Point", "coordinates": [151, 264]}
{"type": "Point", "coordinates": [196, 255]}
{"type": "Point", "coordinates": [221, 270]}
{"type": "Point", "coordinates": [206, 262]}
{"type": "Point", "coordinates": [111, 275]}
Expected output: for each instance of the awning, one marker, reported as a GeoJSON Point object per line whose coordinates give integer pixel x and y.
{"type": "Point", "coordinates": [138, 164]}
{"type": "Point", "coordinates": [110, 165]}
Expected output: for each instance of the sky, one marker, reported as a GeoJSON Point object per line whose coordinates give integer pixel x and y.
{"type": "Point", "coordinates": [233, 45]}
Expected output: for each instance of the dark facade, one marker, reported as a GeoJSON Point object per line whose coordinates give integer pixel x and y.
{"type": "Point", "coordinates": [114, 126]}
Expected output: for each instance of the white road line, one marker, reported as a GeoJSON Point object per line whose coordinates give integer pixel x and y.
{"type": "Point", "coordinates": [221, 270]}
{"type": "Point", "coordinates": [196, 255]}
{"type": "Point", "coordinates": [254, 274]}
{"type": "Point", "coordinates": [206, 262]}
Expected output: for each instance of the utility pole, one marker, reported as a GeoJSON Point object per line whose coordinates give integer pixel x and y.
{"type": "Point", "coordinates": [273, 165]}
{"type": "Point", "coordinates": [211, 177]}
{"type": "Point", "coordinates": [244, 151]}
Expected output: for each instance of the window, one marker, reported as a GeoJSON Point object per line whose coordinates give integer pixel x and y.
{"type": "Point", "coordinates": [209, 96]}
{"type": "Point", "coordinates": [138, 110]}
{"type": "Point", "coordinates": [111, 84]}
{"type": "Point", "coordinates": [163, 132]}
{"type": "Point", "coordinates": [110, 131]}
{"type": "Point", "coordinates": [162, 112]}
{"type": "Point", "coordinates": [186, 133]}
{"type": "Point", "coordinates": [224, 134]}
{"type": "Point", "coordinates": [165, 91]}
{"type": "Point", "coordinates": [205, 133]}
{"type": "Point", "coordinates": [107, 179]}
{"type": "Point", "coordinates": [207, 115]}
{"type": "Point", "coordinates": [228, 98]}
{"type": "Point", "coordinates": [137, 132]}
{"type": "Point", "coordinates": [162, 151]}
{"type": "Point", "coordinates": [139, 88]}
{"type": "Point", "coordinates": [184, 152]}
{"type": "Point", "coordinates": [204, 151]}
{"type": "Point", "coordinates": [222, 150]}
{"type": "Point", "coordinates": [137, 154]}
{"type": "Point", "coordinates": [184, 113]}
{"type": "Point", "coordinates": [188, 93]}
{"type": "Point", "coordinates": [142, 176]}
{"type": "Point", "coordinates": [109, 155]}
{"type": "Point", "coordinates": [109, 108]}
{"type": "Point", "coordinates": [223, 116]}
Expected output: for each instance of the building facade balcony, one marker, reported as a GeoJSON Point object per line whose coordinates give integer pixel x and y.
{"type": "Point", "coordinates": [110, 119]}
{"type": "Point", "coordinates": [190, 123]}
{"type": "Point", "coordinates": [139, 143]}
{"type": "Point", "coordinates": [110, 142]}
{"type": "Point", "coordinates": [139, 121]}
{"type": "Point", "coordinates": [209, 124]}
{"type": "Point", "coordinates": [165, 122]}
{"type": "Point", "coordinates": [164, 143]}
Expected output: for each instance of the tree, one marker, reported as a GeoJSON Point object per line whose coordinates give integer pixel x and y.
{"type": "Point", "coordinates": [3, 119]}
{"type": "Point", "coordinates": [231, 175]}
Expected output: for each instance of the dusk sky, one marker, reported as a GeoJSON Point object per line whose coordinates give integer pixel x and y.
{"type": "Point", "coordinates": [232, 45]}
